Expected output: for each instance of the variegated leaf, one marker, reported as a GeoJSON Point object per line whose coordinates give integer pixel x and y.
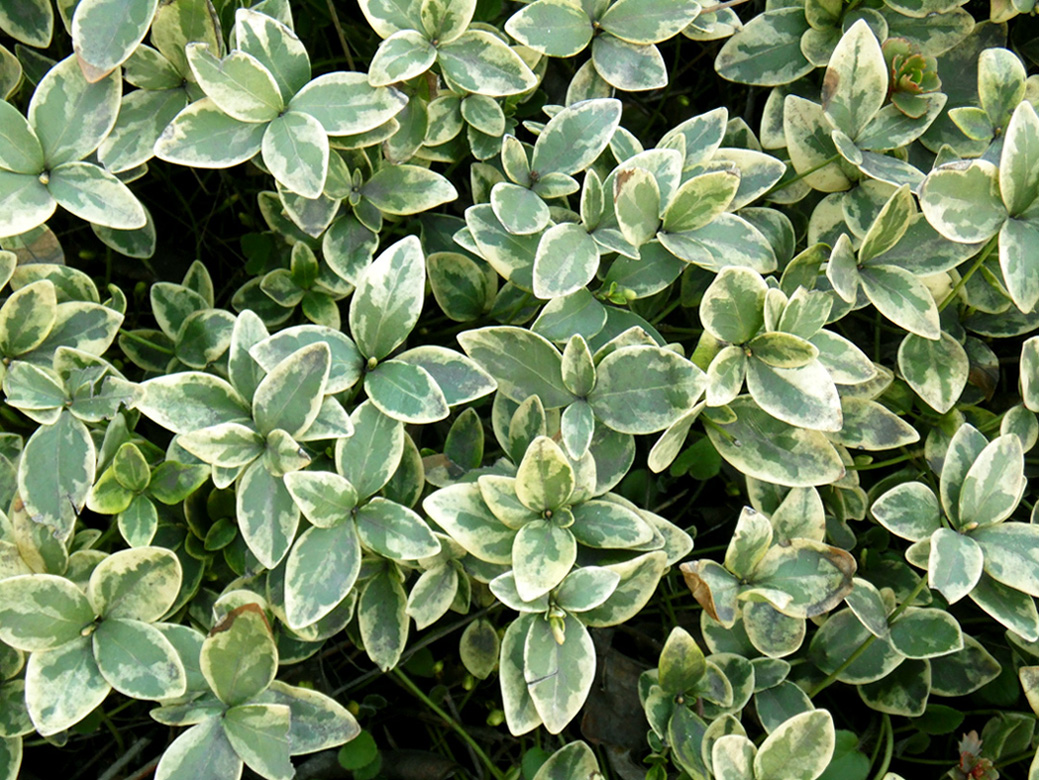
{"type": "Point", "coordinates": [203, 752]}
{"type": "Point", "coordinates": [42, 611]}
{"type": "Point", "coordinates": [480, 62]}
{"type": "Point", "coordinates": [137, 660]}
{"type": "Point", "coordinates": [188, 401]}
{"type": "Point", "coordinates": [388, 299]}
{"type": "Point", "coordinates": [71, 116]}
{"type": "Point", "coordinates": [559, 675]}
{"type": "Point", "coordinates": [259, 734]}
{"type": "Point", "coordinates": [92, 193]}
{"type": "Point", "coordinates": [106, 32]}
{"type": "Point", "coordinates": [239, 658]}
{"type": "Point", "coordinates": [203, 136]}
{"type": "Point", "coordinates": [856, 81]}
{"type": "Point", "coordinates": [63, 685]}
{"type": "Point", "coordinates": [267, 515]}
{"type": "Point", "coordinates": [238, 84]}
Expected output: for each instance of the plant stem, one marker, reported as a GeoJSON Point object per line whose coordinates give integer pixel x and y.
{"type": "Point", "coordinates": [867, 642]}
{"type": "Point", "coordinates": [134, 337]}
{"type": "Point", "coordinates": [421, 696]}
{"type": "Point", "coordinates": [339, 32]}
{"type": "Point", "coordinates": [982, 257]}
{"type": "Point", "coordinates": [803, 174]}
{"type": "Point", "coordinates": [889, 745]}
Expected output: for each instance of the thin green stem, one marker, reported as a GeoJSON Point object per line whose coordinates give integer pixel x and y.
{"type": "Point", "coordinates": [889, 746]}
{"type": "Point", "coordinates": [889, 462]}
{"type": "Point", "coordinates": [867, 642]}
{"type": "Point", "coordinates": [421, 696]}
{"type": "Point", "coordinates": [1015, 758]}
{"type": "Point", "coordinates": [134, 337]}
{"type": "Point", "coordinates": [982, 257]}
{"type": "Point", "coordinates": [339, 32]}
{"type": "Point", "coordinates": [803, 174]}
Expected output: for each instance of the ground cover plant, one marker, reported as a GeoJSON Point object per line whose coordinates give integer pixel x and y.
{"type": "Point", "coordinates": [571, 389]}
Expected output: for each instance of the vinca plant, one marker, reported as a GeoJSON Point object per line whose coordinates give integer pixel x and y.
{"type": "Point", "coordinates": [549, 390]}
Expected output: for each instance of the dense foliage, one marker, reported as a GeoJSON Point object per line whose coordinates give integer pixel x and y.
{"type": "Point", "coordinates": [696, 401]}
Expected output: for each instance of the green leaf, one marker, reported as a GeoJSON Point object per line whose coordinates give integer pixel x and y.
{"type": "Point", "coordinates": [872, 426]}
{"type": "Point", "coordinates": [992, 488]}
{"type": "Point", "coordinates": [406, 392]}
{"type": "Point", "coordinates": [203, 752]}
{"type": "Point", "coordinates": [566, 261]}
{"type": "Point", "coordinates": [259, 734]}
{"type": "Point", "coordinates": [522, 363]}
{"type": "Point", "coordinates": [889, 225]}
{"type": "Point", "coordinates": [682, 663]}
{"type": "Point", "coordinates": [732, 306]}
{"type": "Point", "coordinates": [767, 51]}
{"type": "Point", "coordinates": [480, 62]}
{"type": "Point", "coordinates": [290, 396]}
{"type": "Point", "coordinates": [31, 23]}
{"type": "Point", "coordinates": [750, 541]}
{"type": "Point", "coordinates": [799, 749]}
{"type": "Point", "coordinates": [609, 525]}
{"type": "Point", "coordinates": [402, 56]}
{"type": "Point", "coordinates": [25, 203]}
{"type": "Point", "coordinates": [559, 675]}
{"type": "Point", "coordinates": [856, 81]}
{"type": "Point", "coordinates": [961, 200]}
{"type": "Point", "coordinates": [276, 47]}
{"type": "Point", "coordinates": [926, 633]}
{"type": "Point", "coordinates": [318, 721]}
{"type": "Point", "coordinates": [812, 577]}
{"type": "Point", "coordinates": [521, 211]}
{"type": "Point", "coordinates": [570, 761]}
{"type": "Point", "coordinates": [388, 299]}
{"type": "Point", "coordinates": [20, 151]}
{"type": "Point", "coordinates": [637, 204]}
{"type": "Point", "coordinates": [138, 584]}
{"type": "Point", "coordinates": [239, 658]}
{"type": "Point", "coordinates": [267, 515]}
{"type": "Point", "coordinates": [545, 480]}
{"type": "Point", "coordinates": [902, 298]}
{"type": "Point", "coordinates": [106, 32]}
{"type": "Point", "coordinates": [325, 498]}
{"type": "Point", "coordinates": [203, 136]}
{"type": "Point", "coordinates": [575, 137]}
{"type": "Point", "coordinates": [238, 84]}
{"type": "Point", "coordinates": [137, 660]}
{"type": "Point", "coordinates": [964, 448]}
{"type": "Point", "coordinates": [71, 116]}
{"type": "Point", "coordinates": [460, 379]}
{"type": "Point", "coordinates": [461, 512]}
{"type": "Point", "coordinates": [27, 317]}
{"type": "Point", "coordinates": [394, 531]}
{"type": "Point", "coordinates": [557, 28]}
{"type": "Point", "coordinates": [644, 389]}
{"type": "Point", "coordinates": [542, 555]}
{"type": "Point", "coordinates": [295, 150]}
{"type": "Point", "coordinates": [1019, 161]}
{"type": "Point", "coordinates": [55, 473]}
{"type": "Point", "coordinates": [805, 397]}
{"type": "Point", "coordinates": [94, 194]}
{"type": "Point", "coordinates": [432, 595]}
{"type": "Point", "coordinates": [62, 686]}
{"type": "Point", "coordinates": [1016, 238]}
{"type": "Point", "coordinates": [648, 21]}
{"type": "Point", "coordinates": [765, 448]}
{"type": "Point", "coordinates": [383, 619]}
{"type": "Point", "coordinates": [185, 402]}
{"type": "Point", "coordinates": [628, 66]}
{"type": "Point", "coordinates": [42, 611]}
{"type": "Point", "coordinates": [936, 370]}
{"type": "Point", "coordinates": [347, 362]}
{"type": "Point", "coordinates": [346, 104]}
{"type": "Point", "coordinates": [369, 457]}
{"type": "Point", "coordinates": [407, 189]}
{"type": "Point", "coordinates": [1011, 551]}
{"type": "Point", "coordinates": [461, 288]}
